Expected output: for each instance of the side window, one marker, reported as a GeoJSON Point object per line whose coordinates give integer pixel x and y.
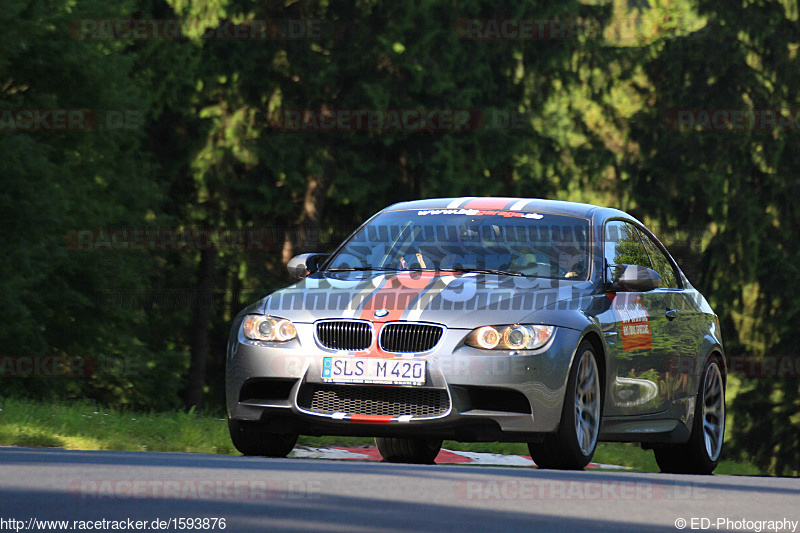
{"type": "Point", "coordinates": [622, 245]}
{"type": "Point", "coordinates": [669, 278]}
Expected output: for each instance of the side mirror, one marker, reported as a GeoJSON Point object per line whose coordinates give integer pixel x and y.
{"type": "Point", "coordinates": [634, 278]}
{"type": "Point", "coordinates": [302, 265]}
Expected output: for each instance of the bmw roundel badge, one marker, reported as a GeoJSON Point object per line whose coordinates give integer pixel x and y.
{"type": "Point", "coordinates": [380, 313]}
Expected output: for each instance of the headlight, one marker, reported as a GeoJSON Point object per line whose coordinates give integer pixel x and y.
{"type": "Point", "coordinates": [268, 328]}
{"type": "Point", "coordinates": [514, 337]}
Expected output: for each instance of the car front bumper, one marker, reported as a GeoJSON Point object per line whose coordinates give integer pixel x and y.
{"type": "Point", "coordinates": [469, 394]}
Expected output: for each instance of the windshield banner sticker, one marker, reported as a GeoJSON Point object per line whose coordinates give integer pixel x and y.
{"type": "Point", "coordinates": [480, 212]}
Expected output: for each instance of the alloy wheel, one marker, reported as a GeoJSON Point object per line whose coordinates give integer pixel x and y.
{"type": "Point", "coordinates": [587, 403]}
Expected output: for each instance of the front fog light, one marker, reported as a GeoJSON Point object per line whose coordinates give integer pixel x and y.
{"type": "Point", "coordinates": [268, 328]}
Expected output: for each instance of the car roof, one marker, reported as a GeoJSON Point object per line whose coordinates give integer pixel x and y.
{"type": "Point", "coordinates": [524, 205]}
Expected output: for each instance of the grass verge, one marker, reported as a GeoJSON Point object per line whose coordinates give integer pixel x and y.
{"type": "Point", "coordinates": [84, 426]}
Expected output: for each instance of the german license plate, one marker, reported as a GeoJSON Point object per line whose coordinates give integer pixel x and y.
{"type": "Point", "coordinates": [373, 370]}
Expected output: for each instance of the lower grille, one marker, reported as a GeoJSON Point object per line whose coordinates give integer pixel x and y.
{"type": "Point", "coordinates": [386, 401]}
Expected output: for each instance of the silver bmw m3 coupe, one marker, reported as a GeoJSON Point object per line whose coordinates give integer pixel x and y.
{"type": "Point", "coordinates": [553, 323]}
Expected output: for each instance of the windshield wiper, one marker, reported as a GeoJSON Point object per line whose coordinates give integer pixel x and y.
{"type": "Point", "coordinates": [485, 271]}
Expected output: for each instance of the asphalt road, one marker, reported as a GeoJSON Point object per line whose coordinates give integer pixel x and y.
{"type": "Point", "coordinates": [259, 494]}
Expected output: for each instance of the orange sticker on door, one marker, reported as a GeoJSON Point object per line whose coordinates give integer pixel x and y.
{"type": "Point", "coordinates": [634, 320]}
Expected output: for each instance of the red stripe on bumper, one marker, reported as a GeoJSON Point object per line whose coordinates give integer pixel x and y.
{"type": "Point", "coordinates": [371, 419]}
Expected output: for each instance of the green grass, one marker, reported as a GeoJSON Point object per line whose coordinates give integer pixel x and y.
{"type": "Point", "coordinates": [84, 426]}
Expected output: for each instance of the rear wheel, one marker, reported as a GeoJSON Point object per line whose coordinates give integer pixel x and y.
{"type": "Point", "coordinates": [253, 442]}
{"type": "Point", "coordinates": [415, 451]}
{"type": "Point", "coordinates": [573, 445]}
{"type": "Point", "coordinates": [701, 454]}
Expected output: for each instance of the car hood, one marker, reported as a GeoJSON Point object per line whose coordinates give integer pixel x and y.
{"type": "Point", "coordinates": [461, 300]}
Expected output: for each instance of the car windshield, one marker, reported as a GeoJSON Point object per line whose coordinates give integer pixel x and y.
{"type": "Point", "coordinates": [470, 240]}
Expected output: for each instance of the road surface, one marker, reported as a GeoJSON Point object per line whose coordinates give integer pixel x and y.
{"type": "Point", "coordinates": [156, 490]}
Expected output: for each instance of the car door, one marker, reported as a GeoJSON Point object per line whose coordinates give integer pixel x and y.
{"type": "Point", "coordinates": [682, 323]}
{"type": "Point", "coordinates": [635, 330]}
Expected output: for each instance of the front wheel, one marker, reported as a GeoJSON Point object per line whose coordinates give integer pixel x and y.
{"type": "Point", "coordinates": [414, 451]}
{"type": "Point", "coordinates": [701, 454]}
{"type": "Point", "coordinates": [573, 445]}
{"type": "Point", "coordinates": [250, 441]}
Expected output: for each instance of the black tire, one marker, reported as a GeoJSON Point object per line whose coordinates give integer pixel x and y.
{"type": "Point", "coordinates": [253, 442]}
{"type": "Point", "coordinates": [565, 449]}
{"type": "Point", "coordinates": [414, 451]}
{"type": "Point", "coordinates": [700, 455]}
